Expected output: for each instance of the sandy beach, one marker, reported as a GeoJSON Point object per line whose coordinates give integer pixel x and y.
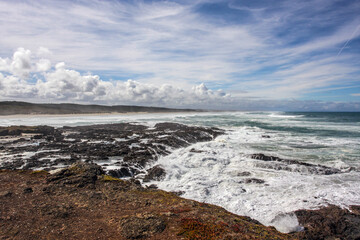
{"type": "Point", "coordinates": [69, 115]}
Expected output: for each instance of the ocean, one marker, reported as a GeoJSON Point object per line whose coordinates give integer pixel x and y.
{"type": "Point", "coordinates": [218, 171]}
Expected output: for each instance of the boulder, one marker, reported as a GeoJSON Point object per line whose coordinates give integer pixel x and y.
{"type": "Point", "coordinates": [155, 173]}
{"type": "Point", "coordinates": [331, 222]}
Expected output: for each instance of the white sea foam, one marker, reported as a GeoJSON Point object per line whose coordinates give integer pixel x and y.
{"type": "Point", "coordinates": [278, 115]}
{"type": "Point", "coordinates": [216, 175]}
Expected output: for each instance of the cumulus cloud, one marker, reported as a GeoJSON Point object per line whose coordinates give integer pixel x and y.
{"type": "Point", "coordinates": [43, 65]}
{"type": "Point", "coordinates": [28, 77]}
{"type": "Point", "coordinates": [62, 84]}
{"type": "Point", "coordinates": [22, 65]}
{"type": "Point", "coordinates": [253, 46]}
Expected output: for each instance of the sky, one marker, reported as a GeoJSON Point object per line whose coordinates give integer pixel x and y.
{"type": "Point", "coordinates": [213, 54]}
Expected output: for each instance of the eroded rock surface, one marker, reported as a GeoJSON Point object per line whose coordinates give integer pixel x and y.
{"type": "Point", "coordinates": [127, 147]}
{"type": "Point", "coordinates": [294, 165]}
{"type": "Point", "coordinates": [80, 202]}
{"type": "Point", "coordinates": [156, 173]}
{"type": "Point", "coordinates": [330, 222]}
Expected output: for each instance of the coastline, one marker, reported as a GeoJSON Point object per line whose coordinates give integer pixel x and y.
{"type": "Point", "coordinates": [69, 115]}
{"type": "Point", "coordinates": [82, 202]}
{"type": "Point", "coordinates": [87, 114]}
{"type": "Point", "coordinates": [101, 145]}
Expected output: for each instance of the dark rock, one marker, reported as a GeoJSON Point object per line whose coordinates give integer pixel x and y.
{"type": "Point", "coordinates": [135, 182]}
{"type": "Point", "coordinates": [142, 227]}
{"type": "Point", "coordinates": [330, 222]}
{"type": "Point", "coordinates": [120, 173]}
{"type": "Point", "coordinates": [28, 190]}
{"type": "Point", "coordinates": [37, 137]}
{"type": "Point", "coordinates": [193, 150]}
{"type": "Point", "coordinates": [100, 143]}
{"type": "Point", "coordinates": [18, 130]}
{"type": "Point", "coordinates": [81, 174]}
{"type": "Point", "coordinates": [265, 136]}
{"type": "Point", "coordinates": [243, 174]}
{"type": "Point", "coordinates": [311, 168]}
{"type": "Point", "coordinates": [260, 156]}
{"type": "Point", "coordinates": [253, 180]}
{"type": "Point", "coordinates": [152, 186]}
{"type": "Point", "coordinates": [155, 173]}
{"type": "Point", "coordinates": [48, 189]}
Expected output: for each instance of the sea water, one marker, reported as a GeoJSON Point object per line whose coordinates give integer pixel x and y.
{"type": "Point", "coordinates": [216, 172]}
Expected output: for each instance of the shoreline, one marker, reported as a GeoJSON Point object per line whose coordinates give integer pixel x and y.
{"type": "Point", "coordinates": [86, 114]}
{"type": "Point", "coordinates": [83, 197]}
{"type": "Point", "coordinates": [64, 202]}
{"type": "Point", "coordinates": [100, 144]}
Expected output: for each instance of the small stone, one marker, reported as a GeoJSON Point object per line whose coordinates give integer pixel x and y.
{"type": "Point", "coordinates": [253, 180]}
{"type": "Point", "coordinates": [28, 190]}
{"type": "Point", "coordinates": [5, 194]}
{"type": "Point", "coordinates": [152, 186]}
{"type": "Point", "coordinates": [243, 174]}
{"type": "Point", "coordinates": [155, 173]}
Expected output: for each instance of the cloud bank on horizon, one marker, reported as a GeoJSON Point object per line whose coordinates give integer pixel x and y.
{"type": "Point", "coordinates": [264, 55]}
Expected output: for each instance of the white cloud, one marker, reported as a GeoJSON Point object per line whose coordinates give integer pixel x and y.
{"type": "Point", "coordinates": [356, 94]}
{"type": "Point", "coordinates": [43, 65]}
{"type": "Point", "coordinates": [43, 52]}
{"type": "Point", "coordinates": [62, 84]}
{"type": "Point", "coordinates": [21, 64]}
{"type": "Point", "coordinates": [4, 65]}
{"type": "Point", "coordinates": [172, 47]}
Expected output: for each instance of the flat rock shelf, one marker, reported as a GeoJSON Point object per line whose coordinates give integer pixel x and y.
{"type": "Point", "coordinates": [124, 149]}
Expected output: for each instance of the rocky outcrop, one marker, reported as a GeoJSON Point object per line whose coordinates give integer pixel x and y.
{"type": "Point", "coordinates": [330, 222]}
{"type": "Point", "coordinates": [80, 202]}
{"type": "Point", "coordinates": [128, 147]}
{"type": "Point", "coordinates": [295, 165]}
{"type": "Point", "coordinates": [80, 174]}
{"type": "Point", "coordinates": [156, 173]}
{"type": "Point", "coordinates": [19, 130]}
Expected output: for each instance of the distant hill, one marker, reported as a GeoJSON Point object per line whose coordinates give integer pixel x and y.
{"type": "Point", "coordinates": [14, 107]}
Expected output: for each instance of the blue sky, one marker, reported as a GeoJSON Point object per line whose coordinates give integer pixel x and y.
{"type": "Point", "coordinates": [244, 55]}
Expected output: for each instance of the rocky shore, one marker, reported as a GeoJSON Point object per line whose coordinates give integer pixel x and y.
{"type": "Point", "coordinates": [82, 202]}
{"type": "Point", "coordinates": [63, 183]}
{"type": "Point", "coordinates": [124, 149]}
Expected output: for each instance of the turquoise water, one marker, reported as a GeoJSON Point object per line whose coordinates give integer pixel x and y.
{"type": "Point", "coordinates": [317, 137]}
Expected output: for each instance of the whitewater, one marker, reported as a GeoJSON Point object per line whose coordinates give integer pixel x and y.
{"type": "Point", "coordinates": [216, 172]}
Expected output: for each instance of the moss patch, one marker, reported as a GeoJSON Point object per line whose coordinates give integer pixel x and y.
{"type": "Point", "coordinates": [40, 172]}
{"type": "Point", "coordinates": [108, 178]}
